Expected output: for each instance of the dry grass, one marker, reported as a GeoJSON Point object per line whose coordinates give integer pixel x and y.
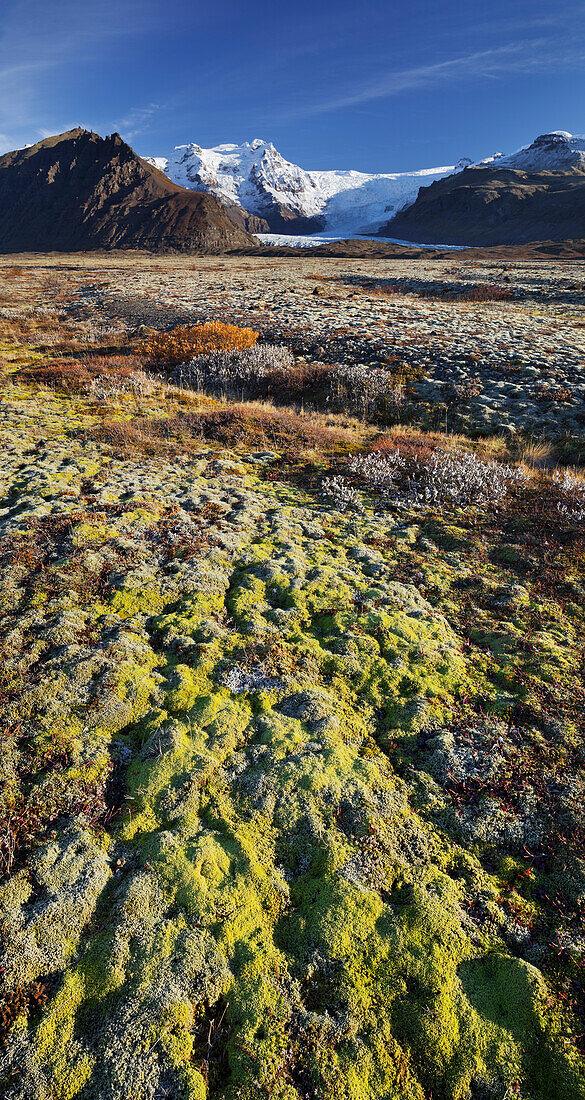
{"type": "Point", "coordinates": [530, 453]}
{"type": "Point", "coordinates": [31, 328]}
{"type": "Point", "coordinates": [233, 426]}
{"type": "Point", "coordinates": [420, 441]}
{"type": "Point", "coordinates": [302, 382]}
{"type": "Point", "coordinates": [534, 452]}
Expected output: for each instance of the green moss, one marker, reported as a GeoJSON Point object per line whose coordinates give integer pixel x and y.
{"type": "Point", "coordinates": [192, 612]}
{"type": "Point", "coordinates": [84, 533]}
{"type": "Point", "coordinates": [512, 995]}
{"type": "Point", "coordinates": [283, 874]}
{"type": "Point", "coordinates": [130, 601]}
{"type": "Point", "coordinates": [182, 691]}
{"type": "Point", "coordinates": [53, 1041]}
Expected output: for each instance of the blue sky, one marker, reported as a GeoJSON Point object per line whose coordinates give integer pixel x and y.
{"type": "Point", "coordinates": [375, 85]}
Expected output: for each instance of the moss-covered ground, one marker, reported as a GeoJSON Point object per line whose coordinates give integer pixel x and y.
{"type": "Point", "coordinates": [292, 800]}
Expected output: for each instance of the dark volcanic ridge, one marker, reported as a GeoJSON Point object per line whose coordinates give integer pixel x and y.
{"type": "Point", "coordinates": [495, 206]}
{"type": "Point", "coordinates": [278, 219]}
{"type": "Point", "coordinates": [78, 191]}
{"type": "Point", "coordinates": [356, 249]}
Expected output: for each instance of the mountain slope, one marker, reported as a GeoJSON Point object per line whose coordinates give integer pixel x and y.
{"type": "Point", "coordinates": [493, 206]}
{"type": "Point", "coordinates": [492, 203]}
{"type": "Point", "coordinates": [80, 191]}
{"type": "Point", "coordinates": [254, 180]}
{"type": "Point", "coordinates": [536, 193]}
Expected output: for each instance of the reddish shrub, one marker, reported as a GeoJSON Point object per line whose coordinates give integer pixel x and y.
{"type": "Point", "coordinates": [76, 375]}
{"type": "Point", "coordinates": [543, 392]}
{"type": "Point", "coordinates": [485, 292]}
{"type": "Point", "coordinates": [20, 1000]}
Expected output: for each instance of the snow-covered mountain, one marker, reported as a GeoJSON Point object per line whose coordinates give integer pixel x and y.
{"type": "Point", "coordinates": [266, 192]}
{"type": "Point", "coordinates": [558, 151]}
{"type": "Point", "coordinates": [256, 178]}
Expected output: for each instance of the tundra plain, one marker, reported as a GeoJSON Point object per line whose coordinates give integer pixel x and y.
{"type": "Point", "coordinates": [292, 760]}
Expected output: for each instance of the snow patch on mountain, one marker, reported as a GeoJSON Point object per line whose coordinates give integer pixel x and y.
{"type": "Point", "coordinates": [558, 151]}
{"type": "Point", "coordinates": [158, 162]}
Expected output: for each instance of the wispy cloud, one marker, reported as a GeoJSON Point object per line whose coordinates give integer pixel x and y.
{"type": "Point", "coordinates": [519, 57]}
{"type": "Point", "coordinates": [136, 119]}
{"type": "Point", "coordinates": [40, 41]}
{"type": "Point", "coordinates": [148, 67]}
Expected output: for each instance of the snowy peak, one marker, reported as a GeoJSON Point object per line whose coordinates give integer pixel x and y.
{"type": "Point", "coordinates": [256, 178]}
{"type": "Point", "coordinates": [558, 151]}
{"type": "Point", "coordinates": [253, 175]}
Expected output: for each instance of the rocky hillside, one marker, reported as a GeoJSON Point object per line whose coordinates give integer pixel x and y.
{"type": "Point", "coordinates": [558, 151]}
{"type": "Point", "coordinates": [492, 206]}
{"type": "Point", "coordinates": [79, 191]}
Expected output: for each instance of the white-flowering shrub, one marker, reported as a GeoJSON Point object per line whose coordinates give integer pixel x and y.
{"type": "Point", "coordinates": [12, 313]}
{"type": "Point", "coordinates": [232, 369]}
{"type": "Point", "coordinates": [464, 479]}
{"type": "Point", "coordinates": [342, 495]}
{"type": "Point", "coordinates": [240, 680]}
{"type": "Point", "coordinates": [454, 477]}
{"type": "Point", "coordinates": [570, 496]}
{"type": "Point", "coordinates": [380, 472]}
{"type": "Point", "coordinates": [96, 332]}
{"type": "Point", "coordinates": [462, 391]}
{"type": "Point", "coordinates": [360, 388]}
{"type": "Point", "coordinates": [105, 387]}
{"type": "Point", "coordinates": [366, 388]}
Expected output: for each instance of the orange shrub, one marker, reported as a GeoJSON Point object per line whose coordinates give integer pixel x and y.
{"type": "Point", "coordinates": [187, 341]}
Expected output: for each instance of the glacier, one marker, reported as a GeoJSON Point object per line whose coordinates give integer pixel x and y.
{"type": "Point", "coordinates": [257, 178]}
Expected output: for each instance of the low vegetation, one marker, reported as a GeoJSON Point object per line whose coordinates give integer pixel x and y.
{"type": "Point", "coordinates": [292, 711]}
